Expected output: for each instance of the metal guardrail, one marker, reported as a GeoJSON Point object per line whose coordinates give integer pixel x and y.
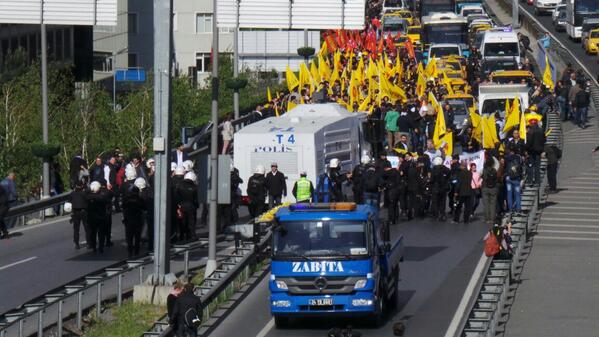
{"type": "Point", "coordinates": [484, 314]}
{"type": "Point", "coordinates": [234, 269]}
{"type": "Point", "coordinates": [82, 294]}
{"type": "Point", "coordinates": [38, 205]}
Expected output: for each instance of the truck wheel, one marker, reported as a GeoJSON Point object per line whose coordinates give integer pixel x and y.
{"type": "Point", "coordinates": [281, 322]}
{"type": "Point", "coordinates": [376, 320]}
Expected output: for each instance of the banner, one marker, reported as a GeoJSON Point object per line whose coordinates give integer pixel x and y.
{"type": "Point", "coordinates": [477, 157]}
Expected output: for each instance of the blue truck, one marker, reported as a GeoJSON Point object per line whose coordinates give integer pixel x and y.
{"type": "Point", "coordinates": [332, 260]}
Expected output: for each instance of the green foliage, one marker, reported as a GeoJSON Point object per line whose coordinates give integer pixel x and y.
{"type": "Point", "coordinates": [45, 151]}
{"type": "Point", "coordinates": [131, 320]}
{"type": "Point", "coordinates": [82, 120]}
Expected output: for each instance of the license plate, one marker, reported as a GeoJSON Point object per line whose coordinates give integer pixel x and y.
{"type": "Point", "coordinates": [321, 301]}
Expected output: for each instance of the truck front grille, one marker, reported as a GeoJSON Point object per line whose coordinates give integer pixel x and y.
{"type": "Point", "coordinates": [312, 285]}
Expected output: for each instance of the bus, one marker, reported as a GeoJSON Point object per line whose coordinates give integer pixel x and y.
{"type": "Point", "coordinates": [427, 7]}
{"type": "Point", "coordinates": [576, 12]}
{"type": "Point", "coordinates": [444, 28]}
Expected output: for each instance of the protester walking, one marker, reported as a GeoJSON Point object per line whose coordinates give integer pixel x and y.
{"type": "Point", "coordinates": [79, 203]}
{"type": "Point", "coordinates": [489, 191]}
{"type": "Point", "coordinates": [187, 313]}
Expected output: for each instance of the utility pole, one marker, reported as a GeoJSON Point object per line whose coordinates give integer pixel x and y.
{"type": "Point", "coordinates": [162, 140]}
{"type": "Point", "coordinates": [515, 13]}
{"type": "Point", "coordinates": [211, 263]}
{"type": "Point", "coordinates": [235, 58]}
{"type": "Point", "coordinates": [46, 165]}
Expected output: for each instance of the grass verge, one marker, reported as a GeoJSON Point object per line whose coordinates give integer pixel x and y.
{"type": "Point", "coordinates": [129, 320]}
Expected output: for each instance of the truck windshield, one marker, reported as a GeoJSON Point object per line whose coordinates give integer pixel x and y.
{"type": "Point", "coordinates": [306, 239]}
{"type": "Point", "coordinates": [491, 106]}
{"type": "Point", "coordinates": [501, 49]}
{"type": "Point", "coordinates": [444, 51]}
{"type": "Point", "coordinates": [587, 6]}
{"type": "Point", "coordinates": [445, 33]}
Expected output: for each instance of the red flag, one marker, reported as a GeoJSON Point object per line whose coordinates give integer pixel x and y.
{"type": "Point", "coordinates": [380, 47]}
{"type": "Point", "coordinates": [377, 23]}
{"type": "Point", "coordinates": [331, 43]}
{"type": "Point", "coordinates": [410, 48]}
{"type": "Point", "coordinates": [389, 42]}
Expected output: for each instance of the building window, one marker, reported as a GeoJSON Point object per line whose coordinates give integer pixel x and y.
{"type": "Point", "coordinates": [132, 20]}
{"type": "Point", "coordinates": [203, 62]}
{"type": "Point", "coordinates": [227, 30]}
{"type": "Point", "coordinates": [132, 60]}
{"type": "Point", "coordinates": [102, 61]}
{"type": "Point", "coordinates": [203, 23]}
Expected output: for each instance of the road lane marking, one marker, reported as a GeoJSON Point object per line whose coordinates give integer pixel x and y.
{"type": "Point", "coordinates": [567, 232]}
{"type": "Point", "coordinates": [568, 226]}
{"type": "Point", "coordinates": [18, 262]}
{"type": "Point", "coordinates": [548, 212]}
{"type": "Point", "coordinates": [568, 219]}
{"type": "Point", "coordinates": [266, 328]}
{"type": "Point", "coordinates": [565, 238]}
{"type": "Point", "coordinates": [468, 293]}
{"type": "Point", "coordinates": [567, 207]}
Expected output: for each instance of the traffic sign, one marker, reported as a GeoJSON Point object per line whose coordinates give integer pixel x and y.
{"type": "Point", "coordinates": [130, 75]}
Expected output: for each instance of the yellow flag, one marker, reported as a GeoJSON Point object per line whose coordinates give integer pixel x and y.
{"type": "Point", "coordinates": [431, 68]}
{"type": "Point", "coordinates": [277, 111]}
{"type": "Point", "coordinates": [448, 140]}
{"type": "Point", "coordinates": [304, 77]}
{"type": "Point", "coordinates": [291, 105]}
{"type": "Point", "coordinates": [323, 69]}
{"type": "Point", "coordinates": [548, 132]}
{"type": "Point", "coordinates": [268, 94]}
{"type": "Point", "coordinates": [324, 51]}
{"type": "Point", "coordinates": [514, 116]}
{"type": "Point", "coordinates": [447, 82]}
{"type": "Point", "coordinates": [372, 70]}
{"type": "Point", "coordinates": [547, 78]}
{"type": "Point", "coordinates": [489, 132]}
{"type": "Point", "coordinates": [420, 69]}
{"type": "Point", "coordinates": [507, 108]}
{"type": "Point", "coordinates": [420, 85]}
{"type": "Point", "coordinates": [440, 128]}
{"type": "Point", "coordinates": [337, 59]}
{"type": "Point", "coordinates": [477, 125]}
{"type": "Point", "coordinates": [522, 128]}
{"type": "Point", "coordinates": [365, 103]}
{"type": "Point", "coordinates": [292, 81]}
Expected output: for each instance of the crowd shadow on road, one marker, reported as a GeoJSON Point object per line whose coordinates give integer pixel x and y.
{"type": "Point", "coordinates": [419, 254]}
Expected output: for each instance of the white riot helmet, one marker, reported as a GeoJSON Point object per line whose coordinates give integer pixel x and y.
{"type": "Point", "coordinates": [259, 169]}
{"type": "Point", "coordinates": [140, 183]}
{"type": "Point", "coordinates": [179, 171]}
{"type": "Point", "coordinates": [130, 173]}
{"type": "Point", "coordinates": [188, 165]}
{"type": "Point", "coordinates": [95, 187]}
{"type": "Point", "coordinates": [334, 163]}
{"type": "Point", "coordinates": [173, 166]}
{"type": "Point", "coordinates": [150, 162]}
{"type": "Point", "coordinates": [67, 207]}
{"type": "Point", "coordinates": [438, 161]}
{"type": "Point", "coordinates": [365, 159]}
{"type": "Point", "coordinates": [190, 176]}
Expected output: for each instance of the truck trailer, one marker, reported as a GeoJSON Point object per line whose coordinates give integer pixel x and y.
{"type": "Point", "coordinates": [303, 139]}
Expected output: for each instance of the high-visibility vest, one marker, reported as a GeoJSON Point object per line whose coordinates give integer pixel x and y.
{"type": "Point", "coordinates": [303, 189]}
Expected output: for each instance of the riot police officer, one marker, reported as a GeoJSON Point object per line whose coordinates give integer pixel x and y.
{"type": "Point", "coordinates": [440, 176]}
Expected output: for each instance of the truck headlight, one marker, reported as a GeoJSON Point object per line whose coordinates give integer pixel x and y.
{"type": "Point", "coordinates": [281, 284]}
{"type": "Point", "coordinates": [361, 302]}
{"type": "Point", "coordinates": [281, 303]}
{"type": "Point", "coordinates": [360, 284]}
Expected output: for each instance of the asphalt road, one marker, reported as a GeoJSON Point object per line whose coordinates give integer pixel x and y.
{"type": "Point", "coordinates": [591, 62]}
{"type": "Point", "coordinates": [439, 260]}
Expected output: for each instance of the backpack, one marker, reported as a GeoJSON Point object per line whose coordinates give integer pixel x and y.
{"type": "Point", "coordinates": [490, 178]}
{"type": "Point", "coordinates": [370, 180]}
{"type": "Point", "coordinates": [492, 246]}
{"type": "Point", "coordinates": [192, 320]}
{"type": "Point", "coordinates": [514, 169]}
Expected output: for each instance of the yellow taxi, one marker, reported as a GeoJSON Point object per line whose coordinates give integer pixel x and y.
{"type": "Point", "coordinates": [592, 42]}
{"type": "Point", "coordinates": [404, 13]}
{"type": "Point", "coordinates": [462, 97]}
{"type": "Point", "coordinates": [512, 77]}
{"type": "Point", "coordinates": [414, 33]}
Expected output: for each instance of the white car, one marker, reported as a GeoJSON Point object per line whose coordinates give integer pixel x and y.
{"type": "Point", "coordinates": [555, 12]}
{"type": "Point", "coordinates": [545, 6]}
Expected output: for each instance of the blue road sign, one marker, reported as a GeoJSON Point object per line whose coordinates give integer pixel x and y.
{"type": "Point", "coordinates": [130, 75]}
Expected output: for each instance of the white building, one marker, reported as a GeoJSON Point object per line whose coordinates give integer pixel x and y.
{"type": "Point", "coordinates": [130, 43]}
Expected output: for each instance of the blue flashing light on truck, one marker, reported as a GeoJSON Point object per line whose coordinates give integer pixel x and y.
{"type": "Point", "coordinates": [332, 260]}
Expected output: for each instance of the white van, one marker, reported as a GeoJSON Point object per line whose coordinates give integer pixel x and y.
{"type": "Point", "coordinates": [304, 139]}
{"type": "Point", "coordinates": [492, 97]}
{"type": "Point", "coordinates": [500, 44]}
